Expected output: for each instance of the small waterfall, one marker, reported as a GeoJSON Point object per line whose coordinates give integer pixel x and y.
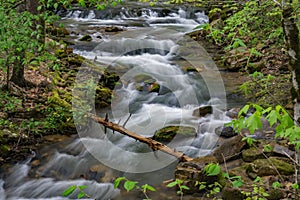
{"type": "Point", "coordinates": [150, 49]}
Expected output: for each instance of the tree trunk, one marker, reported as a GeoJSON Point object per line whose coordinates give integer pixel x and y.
{"type": "Point", "coordinates": [291, 33]}
{"type": "Point", "coordinates": [17, 76]}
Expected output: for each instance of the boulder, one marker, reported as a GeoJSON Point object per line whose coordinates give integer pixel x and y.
{"type": "Point", "coordinates": [251, 154]}
{"type": "Point", "coordinates": [86, 38]}
{"type": "Point", "coordinates": [229, 148]}
{"type": "Point", "coordinates": [225, 131]}
{"type": "Point", "coordinates": [202, 111]}
{"type": "Point", "coordinates": [167, 134]}
{"type": "Point", "coordinates": [264, 167]}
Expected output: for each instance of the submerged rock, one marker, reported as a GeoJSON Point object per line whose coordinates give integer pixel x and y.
{"type": "Point", "coordinates": [167, 134]}
{"type": "Point", "coordinates": [87, 38]}
{"type": "Point", "coordinates": [202, 111]}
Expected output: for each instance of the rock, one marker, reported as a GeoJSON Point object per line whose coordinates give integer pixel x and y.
{"type": "Point", "coordinates": [87, 38]}
{"type": "Point", "coordinates": [233, 113]}
{"type": "Point", "coordinates": [113, 29]}
{"type": "Point", "coordinates": [193, 171]}
{"type": "Point", "coordinates": [225, 131]}
{"type": "Point", "coordinates": [251, 154]}
{"type": "Point", "coordinates": [35, 163]}
{"type": "Point", "coordinates": [154, 87]}
{"type": "Point", "coordinates": [56, 138]}
{"type": "Point", "coordinates": [202, 111]}
{"type": "Point", "coordinates": [230, 193]}
{"type": "Point", "coordinates": [263, 167]}
{"type": "Point", "coordinates": [167, 134]}
{"type": "Point", "coordinates": [283, 151]}
{"type": "Point", "coordinates": [229, 148]}
{"type": "Point", "coordinates": [275, 194]}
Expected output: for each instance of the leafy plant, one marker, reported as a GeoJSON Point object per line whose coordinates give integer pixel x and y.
{"type": "Point", "coordinates": [212, 169]}
{"type": "Point", "coordinates": [131, 185]}
{"type": "Point", "coordinates": [179, 183]}
{"type": "Point", "coordinates": [72, 189]}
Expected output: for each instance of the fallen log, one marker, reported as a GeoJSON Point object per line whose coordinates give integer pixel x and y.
{"type": "Point", "coordinates": [153, 144]}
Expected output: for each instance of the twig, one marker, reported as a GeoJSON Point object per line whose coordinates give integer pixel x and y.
{"type": "Point", "coordinates": [127, 120]}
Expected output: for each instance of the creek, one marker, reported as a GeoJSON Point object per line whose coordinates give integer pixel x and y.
{"type": "Point", "coordinates": [146, 47]}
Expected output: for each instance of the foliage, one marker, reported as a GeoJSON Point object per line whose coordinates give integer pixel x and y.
{"type": "Point", "coordinates": [72, 190]}
{"type": "Point", "coordinates": [16, 38]}
{"type": "Point", "coordinates": [257, 192]}
{"type": "Point", "coordinates": [259, 20]}
{"type": "Point", "coordinates": [277, 117]}
{"type": "Point", "coordinates": [131, 185]}
{"type": "Point", "coordinates": [212, 169]}
{"type": "Point", "coordinates": [179, 183]}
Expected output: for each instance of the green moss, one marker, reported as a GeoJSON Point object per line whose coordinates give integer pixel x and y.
{"type": "Point", "coordinates": [87, 38]}
{"type": "Point", "coordinates": [144, 78]}
{"type": "Point", "coordinates": [252, 154]}
{"type": "Point", "coordinates": [265, 168]}
{"type": "Point", "coordinates": [166, 134]}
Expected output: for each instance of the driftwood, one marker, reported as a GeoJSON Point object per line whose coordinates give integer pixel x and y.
{"type": "Point", "coordinates": [153, 144]}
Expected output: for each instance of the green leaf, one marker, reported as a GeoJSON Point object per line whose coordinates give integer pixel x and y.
{"type": "Point", "coordinates": [272, 117]}
{"type": "Point", "coordinates": [184, 187]}
{"type": "Point", "coordinates": [117, 181]}
{"type": "Point", "coordinates": [237, 183]}
{"type": "Point", "coordinates": [69, 190]}
{"type": "Point", "coordinates": [276, 185]}
{"type": "Point", "coordinates": [295, 186]}
{"type": "Point", "coordinates": [172, 184]}
{"type": "Point", "coordinates": [80, 195]}
{"type": "Point", "coordinates": [268, 148]}
{"type": "Point", "coordinates": [202, 186]}
{"type": "Point", "coordinates": [212, 169]}
{"type": "Point", "coordinates": [129, 185]}
{"type": "Point", "coordinates": [244, 110]}
{"type": "Point", "coordinates": [82, 187]}
{"type": "Point", "coordinates": [148, 187]}
{"type": "Point", "coordinates": [253, 122]}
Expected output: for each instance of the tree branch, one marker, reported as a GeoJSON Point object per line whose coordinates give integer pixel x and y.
{"type": "Point", "coordinates": [153, 144]}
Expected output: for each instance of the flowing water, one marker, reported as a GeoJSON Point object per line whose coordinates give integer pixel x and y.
{"type": "Point", "coordinates": [152, 44]}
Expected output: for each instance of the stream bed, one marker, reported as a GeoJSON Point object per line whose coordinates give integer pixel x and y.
{"type": "Point", "coordinates": [147, 48]}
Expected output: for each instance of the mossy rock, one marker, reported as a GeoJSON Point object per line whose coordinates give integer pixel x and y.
{"type": "Point", "coordinates": [60, 53]}
{"type": "Point", "coordinates": [189, 69]}
{"type": "Point", "coordinates": [144, 78]}
{"type": "Point", "coordinates": [103, 96]}
{"type": "Point", "coordinates": [86, 38]}
{"type": "Point", "coordinates": [75, 60]}
{"type": "Point", "coordinates": [154, 87]}
{"type": "Point", "coordinates": [251, 154]}
{"type": "Point", "coordinates": [265, 168]}
{"type": "Point", "coordinates": [167, 134]}
{"type": "Point", "coordinates": [57, 100]}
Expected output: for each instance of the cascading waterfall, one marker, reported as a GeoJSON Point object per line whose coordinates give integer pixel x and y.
{"type": "Point", "coordinates": [154, 51]}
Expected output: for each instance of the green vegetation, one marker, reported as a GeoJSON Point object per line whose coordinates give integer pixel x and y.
{"type": "Point", "coordinates": [131, 185]}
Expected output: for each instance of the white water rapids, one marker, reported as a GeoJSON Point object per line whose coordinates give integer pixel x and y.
{"type": "Point", "coordinates": [152, 44]}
